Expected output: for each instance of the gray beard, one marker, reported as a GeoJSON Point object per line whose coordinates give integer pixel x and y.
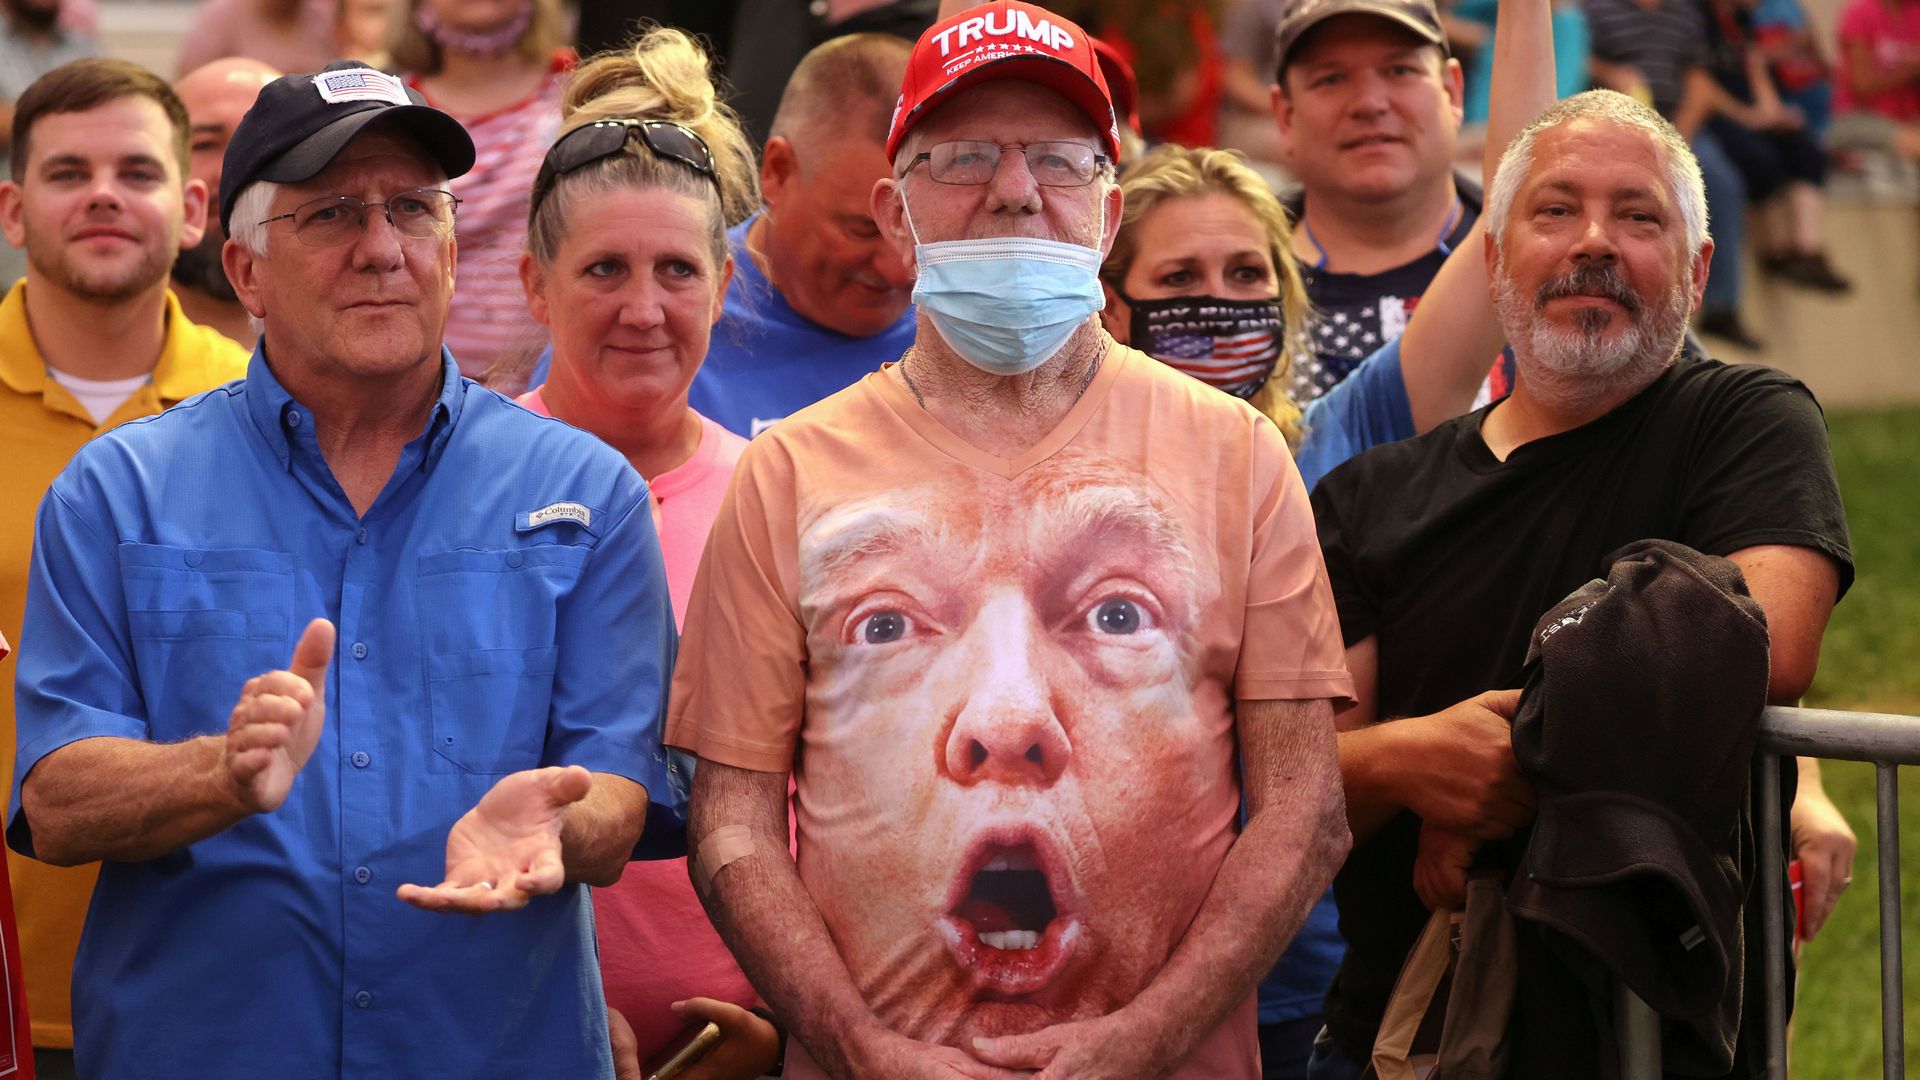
{"type": "Point", "coordinates": [1575, 369]}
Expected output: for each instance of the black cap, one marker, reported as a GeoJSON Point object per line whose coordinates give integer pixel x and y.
{"type": "Point", "coordinates": [1418, 17]}
{"type": "Point", "coordinates": [300, 123]}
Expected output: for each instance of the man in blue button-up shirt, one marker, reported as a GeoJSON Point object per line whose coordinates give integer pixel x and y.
{"type": "Point", "coordinates": [484, 721]}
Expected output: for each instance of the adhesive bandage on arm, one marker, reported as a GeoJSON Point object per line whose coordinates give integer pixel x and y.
{"type": "Point", "coordinates": [720, 847]}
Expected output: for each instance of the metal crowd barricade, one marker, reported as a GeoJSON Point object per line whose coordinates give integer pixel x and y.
{"type": "Point", "coordinates": [1886, 740]}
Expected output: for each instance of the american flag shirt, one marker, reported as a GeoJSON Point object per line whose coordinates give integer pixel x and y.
{"type": "Point", "coordinates": [1356, 314]}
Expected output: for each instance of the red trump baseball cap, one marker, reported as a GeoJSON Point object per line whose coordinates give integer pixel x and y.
{"type": "Point", "coordinates": [1003, 40]}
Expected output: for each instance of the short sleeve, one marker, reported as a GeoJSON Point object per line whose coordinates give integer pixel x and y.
{"type": "Point", "coordinates": [1365, 409]}
{"type": "Point", "coordinates": [1290, 642]}
{"type": "Point", "coordinates": [739, 694]}
{"type": "Point", "coordinates": [614, 648]}
{"type": "Point", "coordinates": [1761, 472]}
{"type": "Point", "coordinates": [76, 676]}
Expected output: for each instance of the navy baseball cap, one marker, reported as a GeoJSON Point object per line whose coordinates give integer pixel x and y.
{"type": "Point", "coordinates": [300, 123]}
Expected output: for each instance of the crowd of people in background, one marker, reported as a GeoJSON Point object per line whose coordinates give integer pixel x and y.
{"type": "Point", "coordinates": [962, 410]}
{"type": "Point", "coordinates": [1770, 107]}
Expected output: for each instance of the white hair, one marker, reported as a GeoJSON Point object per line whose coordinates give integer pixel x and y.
{"type": "Point", "coordinates": [1682, 169]}
{"type": "Point", "coordinates": [251, 207]}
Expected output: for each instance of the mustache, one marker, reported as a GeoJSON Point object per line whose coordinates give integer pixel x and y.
{"type": "Point", "coordinates": [1591, 280]}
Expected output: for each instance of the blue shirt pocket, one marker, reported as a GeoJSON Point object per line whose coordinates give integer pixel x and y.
{"type": "Point", "coordinates": [489, 621]}
{"type": "Point", "coordinates": [201, 622]}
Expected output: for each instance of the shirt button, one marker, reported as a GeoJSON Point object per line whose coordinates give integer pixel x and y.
{"type": "Point", "coordinates": [363, 536]}
{"type": "Point", "coordinates": [361, 759]}
{"type": "Point", "coordinates": [363, 999]}
{"type": "Point", "coordinates": [362, 875]}
{"type": "Point", "coordinates": [514, 559]}
{"type": "Point", "coordinates": [359, 650]}
{"type": "Point", "coordinates": [293, 418]}
{"type": "Point", "coordinates": [193, 558]}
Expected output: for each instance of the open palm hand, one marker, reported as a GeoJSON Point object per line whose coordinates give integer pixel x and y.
{"type": "Point", "coordinates": [506, 850]}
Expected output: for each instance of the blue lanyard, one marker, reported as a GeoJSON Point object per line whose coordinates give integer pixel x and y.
{"type": "Point", "coordinates": [1440, 242]}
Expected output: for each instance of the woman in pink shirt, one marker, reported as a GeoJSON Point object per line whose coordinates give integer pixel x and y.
{"type": "Point", "coordinates": [627, 265]}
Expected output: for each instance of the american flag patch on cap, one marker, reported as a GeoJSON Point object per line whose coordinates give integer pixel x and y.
{"type": "Point", "coordinates": [360, 84]}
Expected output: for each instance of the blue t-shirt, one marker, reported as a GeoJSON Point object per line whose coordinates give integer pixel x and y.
{"type": "Point", "coordinates": [501, 606]}
{"type": "Point", "coordinates": [1367, 408]}
{"type": "Point", "coordinates": [768, 360]}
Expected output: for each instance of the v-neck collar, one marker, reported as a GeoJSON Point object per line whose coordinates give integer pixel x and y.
{"type": "Point", "coordinates": [934, 432]}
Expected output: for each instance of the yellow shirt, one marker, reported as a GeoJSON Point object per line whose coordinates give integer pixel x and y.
{"type": "Point", "coordinates": [42, 426]}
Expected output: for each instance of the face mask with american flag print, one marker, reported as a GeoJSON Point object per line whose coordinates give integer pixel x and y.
{"type": "Point", "coordinates": [1230, 344]}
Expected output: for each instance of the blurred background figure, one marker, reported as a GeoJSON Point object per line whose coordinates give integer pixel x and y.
{"type": "Point", "coordinates": [1656, 51]}
{"type": "Point", "coordinates": [627, 263]}
{"type": "Point", "coordinates": [36, 39]}
{"type": "Point", "coordinates": [1795, 60]}
{"type": "Point", "coordinates": [1877, 98]}
{"type": "Point", "coordinates": [289, 35]}
{"type": "Point", "coordinates": [361, 29]}
{"type": "Point", "coordinates": [216, 96]}
{"type": "Point", "coordinates": [1246, 107]}
{"type": "Point", "coordinates": [769, 38]}
{"type": "Point", "coordinates": [499, 67]}
{"type": "Point", "coordinates": [1774, 148]}
{"type": "Point", "coordinates": [1175, 55]}
{"type": "Point", "coordinates": [1570, 51]}
{"type": "Point", "coordinates": [818, 298]}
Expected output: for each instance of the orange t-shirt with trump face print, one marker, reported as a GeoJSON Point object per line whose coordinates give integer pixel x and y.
{"type": "Point", "coordinates": [1006, 687]}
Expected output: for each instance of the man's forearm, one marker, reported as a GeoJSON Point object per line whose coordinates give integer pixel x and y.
{"type": "Point", "coordinates": [1294, 842]}
{"type": "Point", "coordinates": [766, 917]}
{"type": "Point", "coordinates": [127, 800]}
{"type": "Point", "coordinates": [596, 843]}
{"type": "Point", "coordinates": [1368, 777]}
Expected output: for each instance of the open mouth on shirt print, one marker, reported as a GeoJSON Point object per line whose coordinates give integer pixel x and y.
{"type": "Point", "coordinates": [1016, 784]}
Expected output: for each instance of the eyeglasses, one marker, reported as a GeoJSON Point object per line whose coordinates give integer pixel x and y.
{"type": "Point", "coordinates": [589, 143]}
{"type": "Point", "coordinates": [422, 213]}
{"type": "Point", "coordinates": [1053, 164]}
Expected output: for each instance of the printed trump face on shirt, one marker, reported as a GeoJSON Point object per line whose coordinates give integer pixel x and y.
{"type": "Point", "coordinates": [1005, 727]}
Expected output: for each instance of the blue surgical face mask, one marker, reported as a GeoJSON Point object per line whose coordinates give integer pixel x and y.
{"type": "Point", "coordinates": [1006, 304]}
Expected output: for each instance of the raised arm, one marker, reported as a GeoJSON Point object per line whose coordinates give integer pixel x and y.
{"type": "Point", "coordinates": [1453, 335]}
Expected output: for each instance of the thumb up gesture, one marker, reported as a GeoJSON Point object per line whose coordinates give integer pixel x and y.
{"type": "Point", "coordinates": [276, 723]}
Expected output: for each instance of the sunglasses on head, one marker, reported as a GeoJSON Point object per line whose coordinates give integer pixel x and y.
{"type": "Point", "coordinates": [602, 139]}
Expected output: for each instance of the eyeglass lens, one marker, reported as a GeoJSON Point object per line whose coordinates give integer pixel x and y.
{"type": "Point", "coordinates": [1053, 164]}
{"type": "Point", "coordinates": [421, 213]}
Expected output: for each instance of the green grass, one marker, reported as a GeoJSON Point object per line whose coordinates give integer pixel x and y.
{"type": "Point", "coordinates": [1870, 660]}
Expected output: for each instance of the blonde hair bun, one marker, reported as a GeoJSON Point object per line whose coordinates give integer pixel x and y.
{"type": "Point", "coordinates": [666, 75]}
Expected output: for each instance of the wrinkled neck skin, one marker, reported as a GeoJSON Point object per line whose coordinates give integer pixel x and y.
{"type": "Point", "coordinates": [1001, 415]}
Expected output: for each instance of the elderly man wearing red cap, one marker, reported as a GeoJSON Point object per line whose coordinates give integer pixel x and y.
{"type": "Point", "coordinates": [1030, 660]}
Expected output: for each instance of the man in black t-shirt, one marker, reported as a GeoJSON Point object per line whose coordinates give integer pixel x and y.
{"type": "Point", "coordinates": [1598, 254]}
